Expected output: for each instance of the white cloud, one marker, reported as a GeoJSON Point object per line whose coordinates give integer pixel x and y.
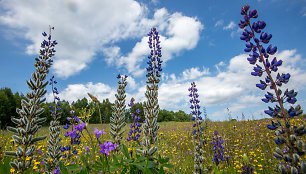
{"type": "Point", "coordinates": [131, 83]}
{"type": "Point", "coordinates": [230, 26]}
{"type": "Point", "coordinates": [83, 28]}
{"type": "Point", "coordinates": [181, 33]}
{"type": "Point", "coordinates": [219, 23]}
{"type": "Point", "coordinates": [73, 92]}
{"type": "Point", "coordinates": [194, 73]}
{"type": "Point", "coordinates": [232, 87]}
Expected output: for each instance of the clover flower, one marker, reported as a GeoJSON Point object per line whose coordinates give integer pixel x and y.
{"type": "Point", "coordinates": [29, 122]}
{"type": "Point", "coordinates": [286, 134]}
{"type": "Point", "coordinates": [198, 139]}
{"type": "Point", "coordinates": [135, 126]}
{"type": "Point", "coordinates": [218, 148]}
{"type": "Point", "coordinates": [117, 120]}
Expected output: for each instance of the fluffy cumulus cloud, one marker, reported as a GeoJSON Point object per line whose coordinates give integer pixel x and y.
{"type": "Point", "coordinates": [84, 28]}
{"type": "Point", "coordinates": [179, 33]}
{"type": "Point", "coordinates": [73, 92]}
{"type": "Point", "coordinates": [232, 87]}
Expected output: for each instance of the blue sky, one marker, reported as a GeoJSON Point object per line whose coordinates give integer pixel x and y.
{"type": "Point", "coordinates": [200, 42]}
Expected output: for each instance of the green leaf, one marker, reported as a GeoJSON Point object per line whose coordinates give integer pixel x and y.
{"type": "Point", "coordinates": [63, 168]}
{"type": "Point", "coordinates": [38, 139]}
{"type": "Point", "coordinates": [125, 151]}
{"type": "Point", "coordinates": [140, 166]}
{"type": "Point", "coordinates": [5, 166]}
{"type": "Point", "coordinates": [73, 167]}
{"type": "Point", "coordinates": [168, 165]}
{"type": "Point", "coordinates": [152, 164]}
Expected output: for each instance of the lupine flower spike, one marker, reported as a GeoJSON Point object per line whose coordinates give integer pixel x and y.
{"type": "Point", "coordinates": [29, 122]}
{"type": "Point", "coordinates": [135, 126]}
{"type": "Point", "coordinates": [54, 152]}
{"type": "Point", "coordinates": [286, 134]}
{"type": "Point", "coordinates": [117, 120]}
{"type": "Point", "coordinates": [198, 139]}
{"type": "Point", "coordinates": [73, 134]}
{"type": "Point", "coordinates": [218, 148]}
{"type": "Point", "coordinates": [151, 107]}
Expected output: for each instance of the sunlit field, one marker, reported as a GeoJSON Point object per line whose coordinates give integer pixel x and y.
{"type": "Point", "coordinates": [250, 138]}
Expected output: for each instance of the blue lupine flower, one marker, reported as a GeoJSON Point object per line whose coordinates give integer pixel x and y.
{"type": "Point", "coordinates": [56, 171]}
{"type": "Point", "coordinates": [218, 148]}
{"type": "Point", "coordinates": [66, 126]}
{"type": "Point", "coordinates": [262, 53]}
{"type": "Point", "coordinates": [135, 126]}
{"type": "Point", "coordinates": [155, 55]}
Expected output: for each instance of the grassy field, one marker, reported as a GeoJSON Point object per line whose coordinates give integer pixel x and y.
{"type": "Point", "coordinates": [251, 138]}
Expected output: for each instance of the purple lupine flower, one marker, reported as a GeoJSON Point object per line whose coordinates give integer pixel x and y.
{"type": "Point", "coordinates": [198, 130]}
{"type": "Point", "coordinates": [79, 127]}
{"type": "Point", "coordinates": [218, 148]}
{"type": "Point", "coordinates": [98, 133]}
{"type": "Point", "coordinates": [262, 54]}
{"type": "Point", "coordinates": [66, 126]}
{"type": "Point", "coordinates": [76, 118]}
{"type": "Point", "coordinates": [135, 126]}
{"type": "Point", "coordinates": [107, 147]}
{"type": "Point", "coordinates": [56, 171]}
{"type": "Point", "coordinates": [154, 63]}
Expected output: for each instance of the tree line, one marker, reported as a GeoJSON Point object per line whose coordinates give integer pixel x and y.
{"type": "Point", "coordinates": [10, 101]}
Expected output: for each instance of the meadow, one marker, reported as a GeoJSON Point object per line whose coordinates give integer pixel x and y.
{"type": "Point", "coordinates": [146, 145]}
{"type": "Point", "coordinates": [241, 138]}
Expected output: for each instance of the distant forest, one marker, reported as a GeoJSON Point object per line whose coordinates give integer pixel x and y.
{"type": "Point", "coordinates": [9, 102]}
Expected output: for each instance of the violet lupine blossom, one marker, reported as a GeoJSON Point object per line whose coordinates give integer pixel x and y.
{"type": "Point", "coordinates": [198, 139]}
{"type": "Point", "coordinates": [73, 134]}
{"type": "Point", "coordinates": [56, 171]}
{"type": "Point", "coordinates": [99, 132]}
{"type": "Point", "coordinates": [260, 55]}
{"type": "Point", "coordinates": [107, 147]}
{"type": "Point", "coordinates": [151, 106]}
{"type": "Point", "coordinates": [218, 148]}
{"type": "Point", "coordinates": [286, 134]}
{"type": "Point", "coordinates": [135, 126]}
{"type": "Point", "coordinates": [154, 63]}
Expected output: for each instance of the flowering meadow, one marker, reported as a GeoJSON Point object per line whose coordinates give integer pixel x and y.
{"type": "Point", "coordinates": [71, 144]}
